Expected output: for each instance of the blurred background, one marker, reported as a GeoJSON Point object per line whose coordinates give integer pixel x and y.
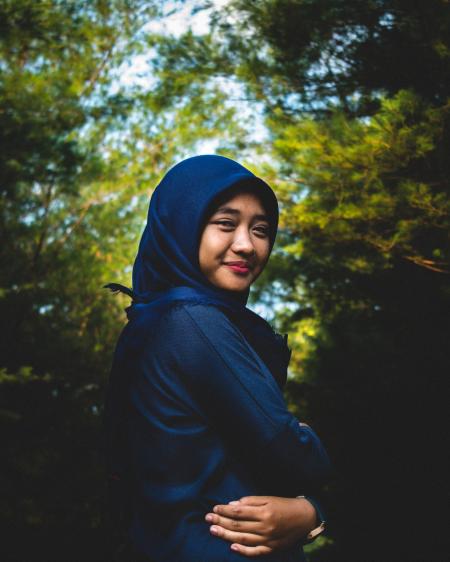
{"type": "Point", "coordinates": [343, 107]}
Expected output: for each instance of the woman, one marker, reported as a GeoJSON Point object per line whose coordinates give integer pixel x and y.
{"type": "Point", "coordinates": [195, 413]}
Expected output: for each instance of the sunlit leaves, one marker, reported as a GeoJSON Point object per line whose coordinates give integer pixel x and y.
{"type": "Point", "coordinates": [366, 183]}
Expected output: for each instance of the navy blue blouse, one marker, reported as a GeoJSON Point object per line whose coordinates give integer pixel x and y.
{"type": "Point", "coordinates": [206, 424]}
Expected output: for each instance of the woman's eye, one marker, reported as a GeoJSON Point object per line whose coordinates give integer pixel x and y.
{"type": "Point", "coordinates": [225, 223]}
{"type": "Point", "coordinates": [263, 230]}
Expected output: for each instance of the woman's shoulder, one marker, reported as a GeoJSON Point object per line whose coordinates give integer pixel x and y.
{"type": "Point", "coordinates": [184, 314]}
{"type": "Point", "coordinates": [190, 330]}
{"type": "Point", "coordinates": [176, 315]}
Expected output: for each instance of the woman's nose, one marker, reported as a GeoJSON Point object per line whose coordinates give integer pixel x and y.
{"type": "Point", "coordinates": [242, 242]}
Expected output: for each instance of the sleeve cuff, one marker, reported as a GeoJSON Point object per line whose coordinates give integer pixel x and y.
{"type": "Point", "coordinates": [318, 508]}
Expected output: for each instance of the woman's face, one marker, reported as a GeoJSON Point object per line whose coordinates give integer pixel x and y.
{"type": "Point", "coordinates": [234, 246]}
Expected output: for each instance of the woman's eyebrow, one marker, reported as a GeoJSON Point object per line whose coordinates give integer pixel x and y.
{"type": "Point", "coordinates": [233, 211]}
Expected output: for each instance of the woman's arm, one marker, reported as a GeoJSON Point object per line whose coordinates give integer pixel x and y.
{"type": "Point", "coordinates": [241, 400]}
{"type": "Point", "coordinates": [210, 364]}
{"type": "Point", "coordinates": [275, 524]}
{"type": "Point", "coordinates": [258, 525]}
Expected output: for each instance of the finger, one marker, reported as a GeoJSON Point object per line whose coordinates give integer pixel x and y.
{"type": "Point", "coordinates": [247, 539]}
{"type": "Point", "coordinates": [255, 500]}
{"type": "Point", "coordinates": [251, 550]}
{"type": "Point", "coordinates": [238, 525]}
{"type": "Point", "coordinates": [239, 511]}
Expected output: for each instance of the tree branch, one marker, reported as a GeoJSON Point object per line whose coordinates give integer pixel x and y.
{"type": "Point", "coordinates": [427, 264]}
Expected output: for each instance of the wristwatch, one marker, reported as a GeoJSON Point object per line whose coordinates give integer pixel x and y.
{"type": "Point", "coordinates": [312, 535]}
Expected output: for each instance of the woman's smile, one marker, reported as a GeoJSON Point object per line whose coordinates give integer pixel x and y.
{"type": "Point", "coordinates": [234, 246]}
{"type": "Point", "coordinates": [240, 267]}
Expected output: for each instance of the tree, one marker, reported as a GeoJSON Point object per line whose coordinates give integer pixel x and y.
{"type": "Point", "coordinates": [80, 152]}
{"type": "Point", "coordinates": [305, 55]}
{"type": "Point", "coordinates": [355, 96]}
{"type": "Point", "coordinates": [367, 231]}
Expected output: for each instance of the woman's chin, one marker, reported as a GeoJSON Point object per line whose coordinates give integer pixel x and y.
{"type": "Point", "coordinates": [232, 285]}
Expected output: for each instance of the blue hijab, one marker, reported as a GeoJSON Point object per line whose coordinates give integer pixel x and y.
{"type": "Point", "coordinates": [166, 264]}
{"type": "Point", "coordinates": [166, 268]}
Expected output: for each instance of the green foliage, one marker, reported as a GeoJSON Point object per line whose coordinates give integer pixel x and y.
{"type": "Point", "coordinates": [366, 222]}
{"type": "Point", "coordinates": [80, 153]}
{"type": "Point", "coordinates": [377, 189]}
{"type": "Point", "coordinates": [302, 55]}
{"type": "Point", "coordinates": [355, 96]}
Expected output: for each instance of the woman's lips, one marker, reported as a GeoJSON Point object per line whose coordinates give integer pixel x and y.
{"type": "Point", "coordinates": [238, 268]}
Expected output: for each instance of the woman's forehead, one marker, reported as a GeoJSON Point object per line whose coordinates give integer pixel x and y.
{"type": "Point", "coordinates": [241, 200]}
{"type": "Point", "coordinates": [237, 197]}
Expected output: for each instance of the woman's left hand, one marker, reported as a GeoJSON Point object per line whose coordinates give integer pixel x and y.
{"type": "Point", "coordinates": [258, 525]}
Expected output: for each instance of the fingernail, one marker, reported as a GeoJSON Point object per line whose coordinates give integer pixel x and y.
{"type": "Point", "coordinates": [234, 547]}
{"type": "Point", "coordinates": [209, 517]}
{"type": "Point", "coordinates": [233, 502]}
{"type": "Point", "coordinates": [213, 530]}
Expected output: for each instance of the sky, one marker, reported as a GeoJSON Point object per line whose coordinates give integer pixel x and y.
{"type": "Point", "coordinates": [177, 22]}
{"type": "Point", "coordinates": [138, 70]}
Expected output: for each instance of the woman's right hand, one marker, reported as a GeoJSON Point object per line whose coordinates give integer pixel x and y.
{"type": "Point", "coordinates": [257, 525]}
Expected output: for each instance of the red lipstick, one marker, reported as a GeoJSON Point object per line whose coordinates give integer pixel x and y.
{"type": "Point", "coordinates": [238, 266]}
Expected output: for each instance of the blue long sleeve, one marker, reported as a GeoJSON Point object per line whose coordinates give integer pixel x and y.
{"type": "Point", "coordinates": [243, 400]}
{"type": "Point", "coordinates": [210, 425]}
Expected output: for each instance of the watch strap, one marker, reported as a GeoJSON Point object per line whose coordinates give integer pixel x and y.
{"type": "Point", "coordinates": [314, 533]}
